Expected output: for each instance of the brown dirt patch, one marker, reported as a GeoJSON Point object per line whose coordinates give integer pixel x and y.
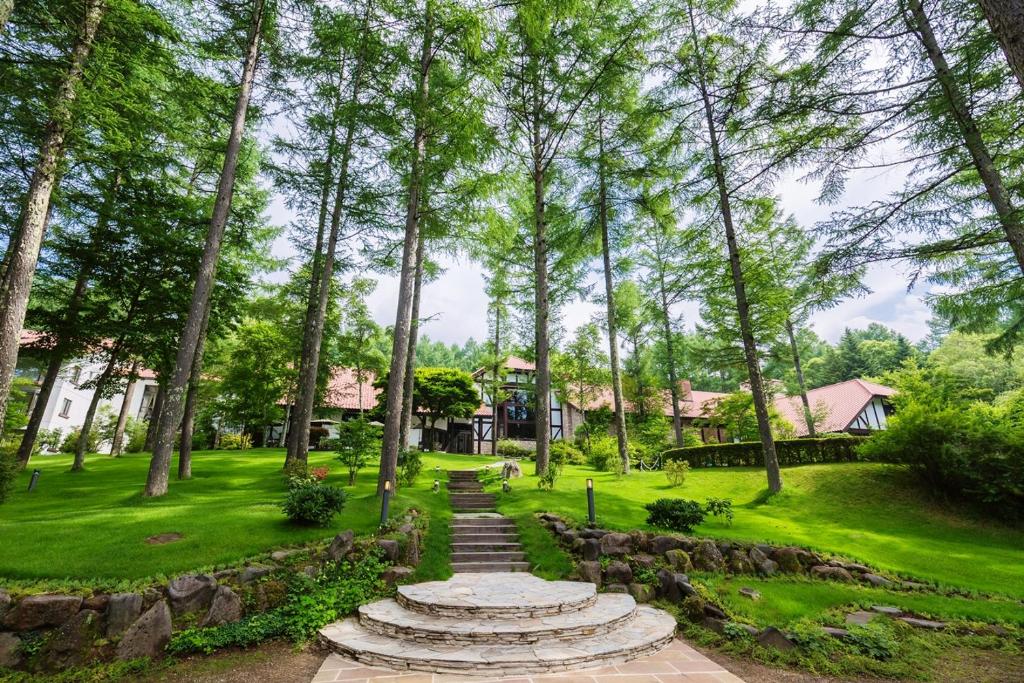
{"type": "Point", "coordinates": [161, 539]}
{"type": "Point", "coordinates": [275, 662]}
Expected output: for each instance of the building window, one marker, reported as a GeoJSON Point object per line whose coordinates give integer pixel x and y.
{"type": "Point", "coordinates": [65, 409]}
{"type": "Point", "coordinates": [76, 374]}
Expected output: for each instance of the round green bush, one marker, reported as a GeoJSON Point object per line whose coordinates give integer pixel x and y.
{"type": "Point", "coordinates": [312, 502]}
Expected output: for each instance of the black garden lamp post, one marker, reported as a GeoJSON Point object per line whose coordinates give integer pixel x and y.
{"type": "Point", "coordinates": [591, 515]}
{"type": "Point", "coordinates": [384, 503]}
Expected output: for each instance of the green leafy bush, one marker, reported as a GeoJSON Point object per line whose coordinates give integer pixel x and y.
{"type": "Point", "coordinates": [235, 442]}
{"type": "Point", "coordinates": [546, 481]}
{"type": "Point", "coordinates": [874, 640]}
{"type": "Point", "coordinates": [720, 507]}
{"type": "Point", "coordinates": [410, 462]}
{"type": "Point", "coordinates": [676, 471]}
{"type": "Point", "coordinates": [8, 472]}
{"type": "Point", "coordinates": [357, 441]}
{"type": "Point", "coordinates": [604, 452]}
{"type": "Point", "coordinates": [676, 514]}
{"type": "Point", "coordinates": [251, 630]}
{"type": "Point", "coordinates": [566, 453]}
{"type": "Point", "coordinates": [751, 454]}
{"type": "Point", "coordinates": [70, 442]}
{"type": "Point", "coordinates": [135, 435]}
{"type": "Point", "coordinates": [510, 449]}
{"type": "Point", "coordinates": [310, 501]}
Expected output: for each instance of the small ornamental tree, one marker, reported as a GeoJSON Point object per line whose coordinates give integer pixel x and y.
{"type": "Point", "coordinates": [358, 440]}
{"type": "Point", "coordinates": [441, 393]}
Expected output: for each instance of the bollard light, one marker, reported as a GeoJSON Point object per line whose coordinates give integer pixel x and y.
{"type": "Point", "coordinates": [591, 515]}
{"type": "Point", "coordinates": [437, 486]}
{"type": "Point", "coordinates": [384, 503]}
{"type": "Point", "coordinates": [35, 480]}
{"type": "Point", "coordinates": [506, 487]}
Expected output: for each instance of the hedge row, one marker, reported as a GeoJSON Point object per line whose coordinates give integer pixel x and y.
{"type": "Point", "coordinates": [750, 453]}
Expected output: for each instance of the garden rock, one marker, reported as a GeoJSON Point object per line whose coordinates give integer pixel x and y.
{"type": "Point", "coordinates": [714, 624]}
{"type": "Point", "coordinates": [641, 592]}
{"type": "Point", "coordinates": [684, 586]}
{"type": "Point", "coordinates": [887, 610]}
{"type": "Point", "coordinates": [191, 593]}
{"type": "Point", "coordinates": [558, 527]}
{"type": "Point", "coordinates": [763, 565]}
{"type": "Point", "coordinates": [341, 546]}
{"type": "Point", "coordinates": [42, 610]}
{"type": "Point", "coordinates": [791, 559]}
{"type": "Point", "coordinates": [679, 560]}
{"type": "Point", "coordinates": [837, 633]}
{"type": "Point", "coordinates": [254, 573]}
{"type": "Point", "coordinates": [282, 555]}
{"type": "Point", "coordinates": [412, 548]}
{"type": "Point", "coordinates": [752, 631]}
{"type": "Point", "coordinates": [616, 544]}
{"type": "Point", "coordinates": [854, 567]}
{"type": "Point", "coordinates": [739, 562]}
{"type": "Point", "coordinates": [149, 635]}
{"type": "Point", "coordinates": [73, 643]}
{"type": "Point", "coordinates": [662, 544]}
{"type": "Point", "coordinates": [667, 587]}
{"type": "Point", "coordinates": [773, 637]}
{"type": "Point", "coordinates": [591, 549]}
{"type": "Point", "coordinates": [860, 618]}
{"type": "Point", "coordinates": [707, 557]}
{"type": "Point", "coordinates": [618, 572]}
{"type": "Point", "coordinates": [397, 574]}
{"type": "Point", "coordinates": [714, 611]}
{"type": "Point", "coordinates": [750, 593]}
{"type": "Point", "coordinates": [590, 571]}
{"type": "Point", "coordinates": [644, 561]}
{"type": "Point", "coordinates": [123, 610]}
{"type": "Point", "coordinates": [226, 608]}
{"type": "Point", "coordinates": [832, 573]}
{"type": "Point", "coordinates": [641, 542]}
{"type": "Point", "coordinates": [97, 603]}
{"type": "Point", "coordinates": [225, 574]}
{"type": "Point", "coordinates": [5, 604]}
{"type": "Point", "coordinates": [569, 536]}
{"type": "Point", "coordinates": [10, 650]}
{"type": "Point", "coordinates": [923, 623]}
{"type": "Point", "coordinates": [616, 588]}
{"type": "Point", "coordinates": [392, 549]}
{"type": "Point", "coordinates": [876, 580]}
{"type": "Point", "coordinates": [511, 470]}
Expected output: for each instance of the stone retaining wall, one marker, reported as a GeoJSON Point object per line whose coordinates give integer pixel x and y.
{"type": "Point", "coordinates": [53, 631]}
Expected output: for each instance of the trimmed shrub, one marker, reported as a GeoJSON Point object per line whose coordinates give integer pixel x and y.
{"type": "Point", "coordinates": [310, 501]}
{"type": "Point", "coordinates": [750, 453]}
{"type": "Point", "coordinates": [70, 442]}
{"type": "Point", "coordinates": [566, 453]}
{"type": "Point", "coordinates": [409, 465]}
{"type": "Point", "coordinates": [676, 514]}
{"type": "Point", "coordinates": [510, 449]}
{"type": "Point", "coordinates": [235, 442]}
{"type": "Point", "coordinates": [604, 452]}
{"type": "Point", "coordinates": [676, 471]}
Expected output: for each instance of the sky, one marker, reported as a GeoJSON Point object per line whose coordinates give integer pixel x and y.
{"type": "Point", "coordinates": [455, 306]}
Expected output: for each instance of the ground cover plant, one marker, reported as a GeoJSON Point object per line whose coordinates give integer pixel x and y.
{"type": "Point", "coordinates": [94, 524]}
{"type": "Point", "coordinates": [870, 512]}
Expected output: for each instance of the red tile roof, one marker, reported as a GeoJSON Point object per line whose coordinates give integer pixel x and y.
{"type": "Point", "coordinates": [841, 402]}
{"type": "Point", "coordinates": [343, 390]}
{"type": "Point", "coordinates": [692, 404]}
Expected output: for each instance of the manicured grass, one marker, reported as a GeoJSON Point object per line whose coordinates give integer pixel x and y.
{"type": "Point", "coordinates": [547, 560]}
{"type": "Point", "coordinates": [863, 511]}
{"type": "Point", "coordinates": [94, 524]}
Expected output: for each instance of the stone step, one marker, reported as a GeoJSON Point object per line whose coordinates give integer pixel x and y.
{"type": "Point", "coordinates": [468, 486]}
{"type": "Point", "coordinates": [461, 557]}
{"type": "Point", "coordinates": [461, 547]}
{"type": "Point", "coordinates": [499, 527]}
{"type": "Point", "coordinates": [490, 567]}
{"type": "Point", "coordinates": [461, 537]}
{"type": "Point", "coordinates": [490, 497]}
{"type": "Point", "coordinates": [473, 507]}
{"type": "Point", "coordinates": [493, 595]}
{"type": "Point", "coordinates": [647, 632]}
{"type": "Point", "coordinates": [387, 617]}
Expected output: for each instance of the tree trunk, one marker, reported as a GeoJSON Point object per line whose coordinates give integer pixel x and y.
{"type": "Point", "coordinates": [90, 414]}
{"type": "Point", "coordinates": [542, 380]}
{"type": "Point", "coordinates": [6, 8]}
{"type": "Point", "coordinates": [808, 415]}
{"type": "Point", "coordinates": [495, 389]}
{"type": "Point", "coordinates": [764, 428]}
{"type": "Point", "coordinates": [1009, 217]}
{"type": "Point", "coordinates": [22, 264]}
{"type": "Point", "coordinates": [414, 331]}
{"type": "Point", "coordinates": [1006, 19]}
{"type": "Point", "coordinates": [403, 317]}
{"type": "Point", "coordinates": [159, 468]}
{"type": "Point", "coordinates": [42, 399]}
{"type": "Point", "coordinates": [155, 412]}
{"type": "Point", "coordinates": [609, 290]}
{"type": "Point", "coordinates": [122, 416]}
{"type": "Point", "coordinates": [188, 422]}
{"type": "Point", "coordinates": [673, 379]}
{"type": "Point", "coordinates": [314, 330]}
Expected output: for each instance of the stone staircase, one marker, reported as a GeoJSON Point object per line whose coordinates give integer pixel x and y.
{"type": "Point", "coordinates": [482, 540]}
{"type": "Point", "coordinates": [498, 624]}
{"type": "Point", "coordinates": [466, 493]}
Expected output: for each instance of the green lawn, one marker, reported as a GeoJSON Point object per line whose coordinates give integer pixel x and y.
{"type": "Point", "coordinates": [94, 524]}
{"type": "Point", "coordinates": [863, 511]}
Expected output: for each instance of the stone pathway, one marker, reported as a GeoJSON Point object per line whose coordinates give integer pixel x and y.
{"type": "Point", "coordinates": [482, 540]}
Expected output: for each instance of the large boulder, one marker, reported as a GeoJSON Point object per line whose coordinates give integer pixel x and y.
{"type": "Point", "coordinates": [591, 548]}
{"type": "Point", "coordinates": [791, 559]}
{"type": "Point", "coordinates": [74, 643]}
{"type": "Point", "coordinates": [149, 635]}
{"type": "Point", "coordinates": [739, 562]}
{"type": "Point", "coordinates": [641, 541]}
{"type": "Point", "coordinates": [641, 592]}
{"type": "Point", "coordinates": [226, 608]}
{"type": "Point", "coordinates": [590, 571]}
{"type": "Point", "coordinates": [707, 557]}
{"type": "Point", "coordinates": [396, 575]}
{"type": "Point", "coordinates": [36, 611]}
{"type": "Point", "coordinates": [10, 650]}
{"type": "Point", "coordinates": [763, 565]}
{"type": "Point", "coordinates": [5, 604]}
{"type": "Point", "coordinates": [122, 611]}
{"type": "Point", "coordinates": [645, 561]}
{"type": "Point", "coordinates": [392, 549]}
{"type": "Point", "coordinates": [668, 587]}
{"type": "Point", "coordinates": [662, 544]}
{"type": "Point", "coordinates": [191, 593]}
{"type": "Point", "coordinates": [412, 548]}
{"type": "Point", "coordinates": [618, 572]}
{"type": "Point", "coordinates": [876, 580]}
{"type": "Point", "coordinates": [341, 546]}
{"type": "Point", "coordinates": [833, 573]}
{"type": "Point", "coordinates": [774, 638]}
{"type": "Point", "coordinates": [511, 470]}
{"type": "Point", "coordinates": [679, 560]}
{"type": "Point", "coordinates": [616, 544]}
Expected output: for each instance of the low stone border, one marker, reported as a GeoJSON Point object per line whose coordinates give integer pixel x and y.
{"type": "Point", "coordinates": [54, 631]}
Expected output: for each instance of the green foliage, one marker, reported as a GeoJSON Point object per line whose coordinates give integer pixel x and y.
{"type": "Point", "coordinates": [310, 501]}
{"type": "Point", "coordinates": [357, 442]}
{"type": "Point", "coordinates": [49, 440]}
{"type": "Point", "coordinates": [410, 462]}
{"type": "Point", "coordinates": [720, 507]}
{"type": "Point", "coordinates": [966, 450]}
{"type": "Point", "coordinates": [510, 449]}
{"type": "Point", "coordinates": [735, 412]}
{"type": "Point", "coordinates": [597, 424]}
{"type": "Point", "coordinates": [70, 442]}
{"type": "Point", "coordinates": [789, 451]}
{"type": "Point", "coordinates": [604, 453]}
{"type": "Point", "coordinates": [8, 471]}
{"type": "Point", "coordinates": [676, 471]}
{"type": "Point", "coordinates": [676, 514]}
{"type": "Point", "coordinates": [235, 442]}
{"type": "Point", "coordinates": [874, 640]}
{"type": "Point", "coordinates": [546, 481]}
{"type": "Point", "coordinates": [135, 435]}
{"type": "Point", "coordinates": [250, 630]}
{"type": "Point", "coordinates": [565, 453]}
{"type": "Point", "coordinates": [439, 393]}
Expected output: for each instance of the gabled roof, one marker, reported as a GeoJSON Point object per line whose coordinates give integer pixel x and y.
{"type": "Point", "coordinates": [343, 390]}
{"type": "Point", "coordinates": [841, 402]}
{"type": "Point", "coordinates": [511, 363]}
{"type": "Point", "coordinates": [691, 403]}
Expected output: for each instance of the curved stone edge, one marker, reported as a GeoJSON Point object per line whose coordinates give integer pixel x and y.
{"type": "Point", "coordinates": [451, 608]}
{"type": "Point", "coordinates": [447, 630]}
